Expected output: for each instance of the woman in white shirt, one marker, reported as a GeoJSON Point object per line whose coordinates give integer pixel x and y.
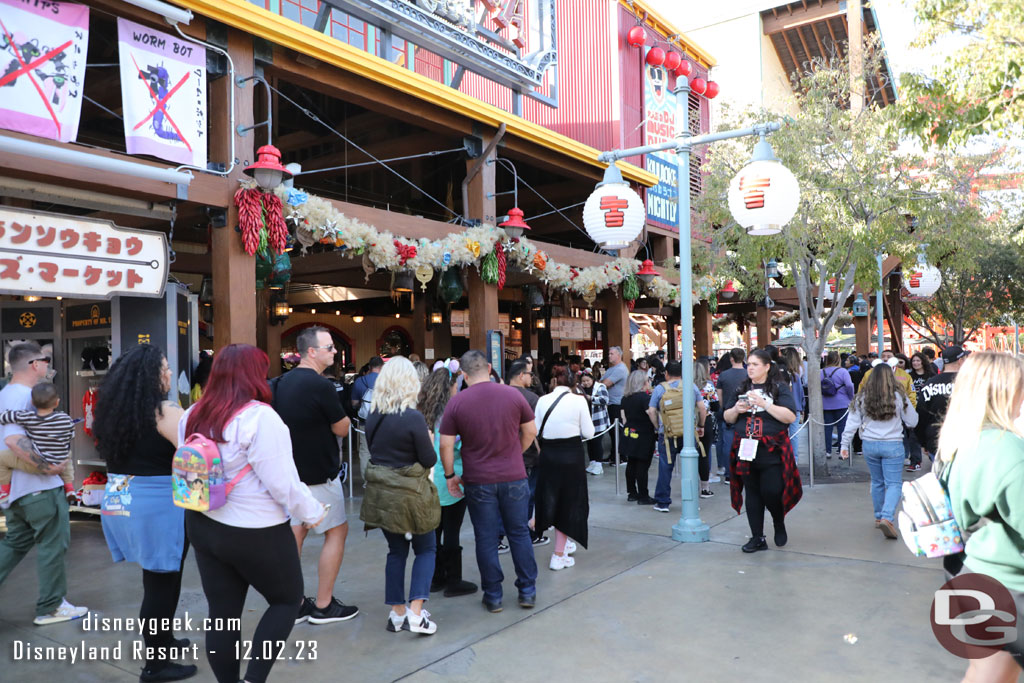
{"type": "Point", "coordinates": [248, 541]}
{"type": "Point", "coordinates": [564, 422]}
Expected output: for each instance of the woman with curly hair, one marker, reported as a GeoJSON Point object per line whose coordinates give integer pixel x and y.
{"type": "Point", "coordinates": [440, 387]}
{"type": "Point", "coordinates": [880, 411]}
{"type": "Point", "coordinates": [136, 431]}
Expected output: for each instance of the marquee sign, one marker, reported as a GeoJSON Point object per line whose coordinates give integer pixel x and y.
{"type": "Point", "coordinates": [660, 126]}
{"type": "Point", "coordinates": [55, 255]}
{"type": "Point", "coordinates": [452, 29]}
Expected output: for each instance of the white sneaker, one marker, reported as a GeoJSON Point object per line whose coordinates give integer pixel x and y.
{"type": "Point", "coordinates": [419, 623]}
{"type": "Point", "coordinates": [595, 468]}
{"type": "Point", "coordinates": [906, 461]}
{"type": "Point", "coordinates": [396, 622]}
{"type": "Point", "coordinates": [558, 563]}
{"type": "Point", "coordinates": [714, 479]}
{"type": "Point", "coordinates": [66, 612]}
{"type": "Point", "coordinates": [721, 471]}
{"type": "Point", "coordinates": [570, 547]}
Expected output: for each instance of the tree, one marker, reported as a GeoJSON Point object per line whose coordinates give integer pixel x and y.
{"type": "Point", "coordinates": [979, 87]}
{"type": "Point", "coordinates": [858, 185]}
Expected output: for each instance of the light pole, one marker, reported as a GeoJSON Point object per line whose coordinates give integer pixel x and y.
{"type": "Point", "coordinates": [879, 312]}
{"type": "Point", "coordinates": [690, 528]}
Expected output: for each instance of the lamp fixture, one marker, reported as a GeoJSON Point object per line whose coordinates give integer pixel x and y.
{"type": "Point", "coordinates": [519, 320]}
{"type": "Point", "coordinates": [268, 171]}
{"type": "Point", "coordinates": [860, 306]}
{"type": "Point", "coordinates": [312, 311]}
{"type": "Point", "coordinates": [357, 318]}
{"type": "Point", "coordinates": [771, 269]}
{"type": "Point", "coordinates": [173, 15]}
{"type": "Point", "coordinates": [436, 318]}
{"type": "Point", "coordinates": [540, 323]}
{"type": "Point", "coordinates": [31, 298]}
{"type": "Point", "coordinates": [729, 291]}
{"type": "Point", "coordinates": [279, 309]}
{"type": "Point", "coordinates": [206, 291]}
{"type": "Point", "coordinates": [397, 316]}
{"type": "Point", "coordinates": [764, 195]}
{"type": "Point", "coordinates": [647, 272]}
{"type": "Point", "coordinates": [403, 281]}
{"type": "Point", "coordinates": [515, 225]}
{"type": "Point", "coordinates": [613, 214]}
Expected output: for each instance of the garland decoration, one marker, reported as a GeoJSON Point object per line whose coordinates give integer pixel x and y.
{"type": "Point", "coordinates": [316, 220]}
{"type": "Point", "coordinates": [261, 221]}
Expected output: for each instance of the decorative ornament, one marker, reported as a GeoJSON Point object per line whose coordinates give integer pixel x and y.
{"type": "Point", "coordinates": [590, 296]}
{"type": "Point", "coordinates": [450, 289]}
{"type": "Point", "coordinates": [250, 217]}
{"type": "Point", "coordinates": [699, 86]}
{"type": "Point", "coordinates": [424, 274]}
{"type": "Point", "coordinates": [647, 272]}
{"type": "Point", "coordinates": [540, 260]}
{"type": "Point", "coordinates": [368, 267]}
{"type": "Point", "coordinates": [489, 269]}
{"type": "Point", "coordinates": [636, 36]}
{"type": "Point", "coordinates": [446, 260]}
{"type": "Point", "coordinates": [712, 90]}
{"type": "Point", "coordinates": [764, 195]}
{"type": "Point", "coordinates": [631, 288]}
{"type": "Point", "coordinates": [502, 265]}
{"type": "Point", "coordinates": [296, 197]}
{"type": "Point", "coordinates": [685, 68]}
{"type": "Point", "coordinates": [613, 214]}
{"type": "Point", "coordinates": [921, 282]}
{"type": "Point", "coordinates": [655, 56]}
{"type": "Point", "coordinates": [474, 248]}
{"type": "Point", "coordinates": [405, 252]}
{"type": "Point", "coordinates": [673, 60]}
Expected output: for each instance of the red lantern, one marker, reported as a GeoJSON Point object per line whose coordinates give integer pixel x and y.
{"type": "Point", "coordinates": [699, 86]}
{"type": "Point", "coordinates": [729, 291]}
{"type": "Point", "coordinates": [647, 272]}
{"type": "Point", "coordinates": [636, 36]}
{"type": "Point", "coordinates": [656, 56]}
{"type": "Point", "coordinates": [712, 90]}
{"type": "Point", "coordinates": [672, 61]}
{"type": "Point", "coordinates": [685, 68]}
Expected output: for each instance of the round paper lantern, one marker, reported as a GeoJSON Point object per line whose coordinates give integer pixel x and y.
{"type": "Point", "coordinates": [656, 56]}
{"type": "Point", "coordinates": [712, 90]}
{"type": "Point", "coordinates": [699, 86]}
{"type": "Point", "coordinates": [614, 214]}
{"type": "Point", "coordinates": [921, 282]}
{"type": "Point", "coordinates": [636, 36]}
{"type": "Point", "coordinates": [685, 68]}
{"type": "Point", "coordinates": [672, 61]}
{"type": "Point", "coordinates": [763, 197]}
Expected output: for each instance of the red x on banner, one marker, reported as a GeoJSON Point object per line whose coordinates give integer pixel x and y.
{"type": "Point", "coordinates": [27, 70]}
{"type": "Point", "coordinates": [161, 103]}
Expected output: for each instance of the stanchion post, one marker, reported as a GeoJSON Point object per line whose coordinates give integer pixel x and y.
{"type": "Point", "coordinates": [351, 471]}
{"type": "Point", "coordinates": [615, 447]}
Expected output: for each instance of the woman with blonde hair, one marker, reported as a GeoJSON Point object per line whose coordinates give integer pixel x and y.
{"type": "Point", "coordinates": [880, 411]}
{"type": "Point", "coordinates": [400, 498]}
{"type": "Point", "coordinates": [981, 459]}
{"type": "Point", "coordinates": [638, 434]}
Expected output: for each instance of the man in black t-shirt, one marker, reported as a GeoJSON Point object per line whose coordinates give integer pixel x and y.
{"type": "Point", "coordinates": [308, 403]}
{"type": "Point", "coordinates": [728, 386]}
{"type": "Point", "coordinates": [935, 399]}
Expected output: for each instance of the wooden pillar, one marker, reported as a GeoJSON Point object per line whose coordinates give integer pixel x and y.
{"type": "Point", "coordinates": [746, 338]}
{"type": "Point", "coordinates": [894, 311]}
{"type": "Point", "coordinates": [702, 329]}
{"type": "Point", "coordinates": [663, 248]}
{"type": "Point", "coordinates": [274, 348]}
{"type": "Point", "coordinates": [672, 323]}
{"type": "Point", "coordinates": [764, 327]}
{"type": "Point", "coordinates": [855, 20]}
{"type": "Point", "coordinates": [483, 298]}
{"type": "Point", "coordinates": [862, 328]}
{"type": "Point", "coordinates": [421, 338]}
{"type": "Point", "coordinates": [617, 317]}
{"type": "Point", "coordinates": [234, 271]}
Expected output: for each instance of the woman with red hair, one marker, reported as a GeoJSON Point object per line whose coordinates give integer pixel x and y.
{"type": "Point", "coordinates": [248, 541]}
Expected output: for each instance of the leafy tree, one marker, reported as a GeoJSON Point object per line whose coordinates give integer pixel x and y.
{"type": "Point", "coordinates": [979, 87]}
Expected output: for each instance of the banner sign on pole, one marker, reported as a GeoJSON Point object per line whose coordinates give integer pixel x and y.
{"type": "Point", "coordinates": [51, 254]}
{"type": "Point", "coordinates": [43, 47]}
{"type": "Point", "coordinates": [163, 90]}
{"type": "Point", "coordinates": [660, 126]}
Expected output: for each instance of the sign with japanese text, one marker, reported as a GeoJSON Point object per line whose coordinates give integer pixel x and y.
{"type": "Point", "coordinates": [43, 46]}
{"type": "Point", "coordinates": [163, 89]}
{"type": "Point", "coordinates": [53, 255]}
{"type": "Point", "coordinates": [660, 126]}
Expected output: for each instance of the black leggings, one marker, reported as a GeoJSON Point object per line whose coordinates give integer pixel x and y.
{"type": "Point", "coordinates": [230, 560]}
{"type": "Point", "coordinates": [763, 488]}
{"type": "Point", "coordinates": [160, 593]}
{"type": "Point", "coordinates": [595, 449]}
{"type": "Point", "coordinates": [637, 470]}
{"type": "Point", "coordinates": [451, 523]}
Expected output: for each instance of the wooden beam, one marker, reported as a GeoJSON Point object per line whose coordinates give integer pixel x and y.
{"type": "Point", "coordinates": [792, 54]}
{"type": "Point", "coordinates": [881, 86]}
{"type": "Point", "coordinates": [821, 48]}
{"type": "Point", "coordinates": [839, 48]}
{"type": "Point", "coordinates": [807, 52]}
{"type": "Point", "coordinates": [777, 24]}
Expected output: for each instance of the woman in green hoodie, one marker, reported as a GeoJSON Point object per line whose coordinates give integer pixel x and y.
{"type": "Point", "coordinates": [984, 454]}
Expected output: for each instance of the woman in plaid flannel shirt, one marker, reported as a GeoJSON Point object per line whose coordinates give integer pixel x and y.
{"type": "Point", "coordinates": [597, 395]}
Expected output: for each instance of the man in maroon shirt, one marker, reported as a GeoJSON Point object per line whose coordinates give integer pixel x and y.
{"type": "Point", "coordinates": [496, 425]}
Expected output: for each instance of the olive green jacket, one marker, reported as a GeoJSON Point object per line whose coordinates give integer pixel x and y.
{"type": "Point", "coordinates": [400, 500]}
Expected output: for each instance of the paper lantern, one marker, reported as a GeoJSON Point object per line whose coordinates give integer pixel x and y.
{"type": "Point", "coordinates": [712, 90]}
{"type": "Point", "coordinates": [672, 61]}
{"type": "Point", "coordinates": [636, 36]}
{"type": "Point", "coordinates": [764, 195]}
{"type": "Point", "coordinates": [685, 68]}
{"type": "Point", "coordinates": [698, 85]}
{"type": "Point", "coordinates": [656, 56]}
{"type": "Point", "coordinates": [921, 282]}
{"type": "Point", "coordinates": [614, 214]}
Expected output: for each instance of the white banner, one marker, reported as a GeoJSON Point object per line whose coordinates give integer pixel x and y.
{"type": "Point", "coordinates": [163, 91]}
{"type": "Point", "coordinates": [55, 255]}
{"type": "Point", "coordinates": [43, 48]}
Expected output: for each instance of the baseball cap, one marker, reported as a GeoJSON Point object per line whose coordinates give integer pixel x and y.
{"type": "Point", "coordinates": [952, 354]}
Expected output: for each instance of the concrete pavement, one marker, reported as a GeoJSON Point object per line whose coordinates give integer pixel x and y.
{"type": "Point", "coordinates": [636, 607]}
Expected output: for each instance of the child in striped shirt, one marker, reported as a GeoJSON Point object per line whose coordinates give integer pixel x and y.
{"type": "Point", "coordinates": [51, 432]}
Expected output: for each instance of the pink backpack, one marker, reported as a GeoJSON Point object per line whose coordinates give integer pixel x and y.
{"type": "Point", "coordinates": [197, 472]}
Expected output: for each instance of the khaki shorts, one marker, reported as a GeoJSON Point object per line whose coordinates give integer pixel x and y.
{"type": "Point", "coordinates": [334, 493]}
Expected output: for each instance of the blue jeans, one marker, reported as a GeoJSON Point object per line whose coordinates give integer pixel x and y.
{"type": "Point", "coordinates": [425, 547]}
{"type": "Point", "coordinates": [794, 438]}
{"type": "Point", "coordinates": [885, 462]}
{"type": "Point", "coordinates": [724, 445]}
{"type": "Point", "coordinates": [492, 506]}
{"type": "Point", "coordinates": [830, 417]}
{"type": "Point", "coordinates": [663, 489]}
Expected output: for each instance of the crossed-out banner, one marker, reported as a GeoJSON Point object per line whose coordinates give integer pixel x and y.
{"type": "Point", "coordinates": [163, 90]}
{"type": "Point", "coordinates": [43, 48]}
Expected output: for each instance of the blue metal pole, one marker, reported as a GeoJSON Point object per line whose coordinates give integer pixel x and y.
{"type": "Point", "coordinates": [879, 311]}
{"type": "Point", "coordinates": [690, 528]}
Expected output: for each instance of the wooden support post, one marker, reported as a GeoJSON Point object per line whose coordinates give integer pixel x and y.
{"type": "Point", "coordinates": [274, 348]}
{"type": "Point", "coordinates": [672, 322]}
{"type": "Point", "coordinates": [483, 298]}
{"type": "Point", "coordinates": [764, 327]}
{"type": "Point", "coordinates": [746, 338]}
{"type": "Point", "coordinates": [894, 312]}
{"type": "Point", "coordinates": [234, 271]}
{"type": "Point", "coordinates": [421, 338]}
{"type": "Point", "coordinates": [855, 21]}
{"type": "Point", "coordinates": [862, 328]}
{"type": "Point", "coordinates": [663, 249]}
{"type": "Point", "coordinates": [702, 329]}
{"type": "Point", "coordinates": [617, 317]}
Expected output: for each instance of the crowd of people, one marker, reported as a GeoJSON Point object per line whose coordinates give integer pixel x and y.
{"type": "Point", "coordinates": [514, 452]}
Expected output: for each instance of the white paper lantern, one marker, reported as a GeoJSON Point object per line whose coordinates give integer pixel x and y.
{"type": "Point", "coordinates": [614, 214]}
{"type": "Point", "coordinates": [763, 197]}
{"type": "Point", "coordinates": [921, 282]}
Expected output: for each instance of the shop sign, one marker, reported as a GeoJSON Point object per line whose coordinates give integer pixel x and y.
{"type": "Point", "coordinates": [51, 254]}
{"type": "Point", "coordinates": [15, 319]}
{"type": "Point", "coordinates": [88, 316]}
{"type": "Point", "coordinates": [660, 126]}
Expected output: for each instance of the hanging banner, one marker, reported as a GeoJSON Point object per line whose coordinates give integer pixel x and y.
{"type": "Point", "coordinates": [163, 90]}
{"type": "Point", "coordinates": [51, 254]}
{"type": "Point", "coordinates": [660, 126]}
{"type": "Point", "coordinates": [44, 46]}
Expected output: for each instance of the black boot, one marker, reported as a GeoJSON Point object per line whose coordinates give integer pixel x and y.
{"type": "Point", "coordinates": [158, 671]}
{"type": "Point", "coordinates": [453, 567]}
{"type": "Point", "coordinates": [440, 579]}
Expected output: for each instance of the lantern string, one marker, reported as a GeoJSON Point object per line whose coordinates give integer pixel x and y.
{"type": "Point", "coordinates": [401, 177]}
